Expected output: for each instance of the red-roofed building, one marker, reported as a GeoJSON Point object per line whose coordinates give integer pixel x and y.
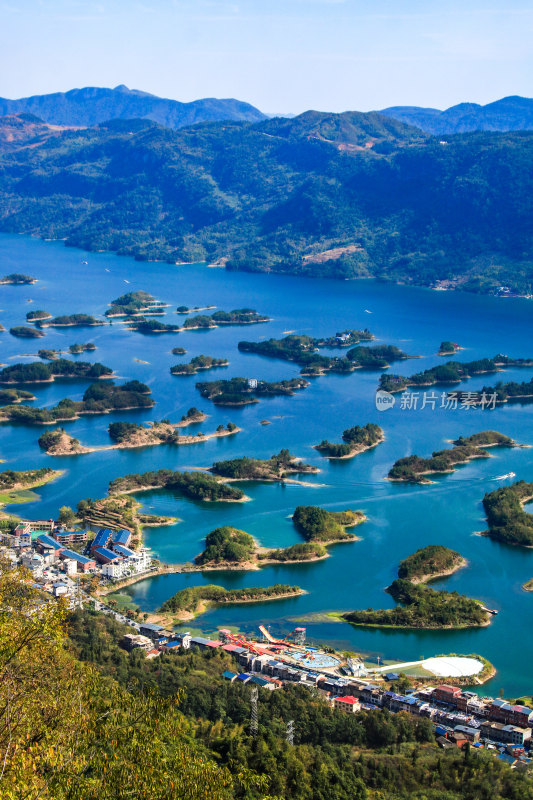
{"type": "Point", "coordinates": [213, 643]}
{"type": "Point", "coordinates": [446, 694]}
{"type": "Point", "coordinates": [348, 704]}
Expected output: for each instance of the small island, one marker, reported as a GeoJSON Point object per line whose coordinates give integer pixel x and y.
{"type": "Point", "coordinates": [76, 349]}
{"type": "Point", "coordinates": [149, 326]}
{"type": "Point", "coordinates": [12, 396]}
{"type": "Point", "coordinates": [452, 372]}
{"type": "Point", "coordinates": [194, 485]}
{"type": "Point", "coordinates": [422, 607]}
{"type": "Point", "coordinates": [135, 303]}
{"type": "Point", "coordinates": [508, 522]}
{"type": "Point", "coordinates": [48, 355]}
{"type": "Point", "coordinates": [178, 351]}
{"type": "Point", "coordinates": [59, 443]}
{"type": "Point", "coordinates": [119, 513]}
{"type": "Point", "coordinates": [187, 310]}
{"type": "Point", "coordinates": [17, 279]}
{"type": "Point", "coordinates": [429, 563]}
{"type": "Point", "coordinates": [242, 391]}
{"type": "Point", "coordinates": [356, 440]}
{"type": "Point", "coordinates": [276, 468]}
{"type": "Point", "coordinates": [195, 600]}
{"type": "Point", "coordinates": [414, 469]}
{"type": "Point", "coordinates": [303, 350]}
{"type": "Point", "coordinates": [319, 526]}
{"type": "Point", "coordinates": [99, 398]}
{"type": "Point", "coordinates": [506, 392]}
{"type": "Point", "coordinates": [37, 372]}
{"type": "Point", "coordinates": [37, 316]}
{"type": "Point", "coordinates": [71, 321]}
{"type": "Point", "coordinates": [24, 332]}
{"type": "Point", "coordinates": [448, 348]}
{"type": "Point", "coordinates": [198, 363]}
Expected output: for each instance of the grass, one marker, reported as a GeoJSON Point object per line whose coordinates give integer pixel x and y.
{"type": "Point", "coordinates": [17, 497]}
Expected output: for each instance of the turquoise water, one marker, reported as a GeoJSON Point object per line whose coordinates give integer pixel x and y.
{"type": "Point", "coordinates": [400, 518]}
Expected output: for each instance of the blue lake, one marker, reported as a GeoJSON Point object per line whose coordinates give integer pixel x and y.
{"type": "Point", "coordinates": [400, 518]}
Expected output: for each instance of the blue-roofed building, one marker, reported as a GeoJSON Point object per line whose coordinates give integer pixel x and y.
{"type": "Point", "coordinates": [229, 676]}
{"type": "Point", "coordinates": [46, 542]}
{"type": "Point", "coordinates": [262, 682]}
{"type": "Point", "coordinates": [123, 551]}
{"type": "Point", "coordinates": [102, 538]}
{"type": "Point", "coordinates": [121, 537]}
{"type": "Point", "coordinates": [244, 677]}
{"type": "Point", "coordinates": [104, 555]}
{"type": "Point", "coordinates": [84, 564]}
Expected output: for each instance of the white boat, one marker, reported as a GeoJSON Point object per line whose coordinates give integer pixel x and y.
{"type": "Point", "coordinates": [504, 477]}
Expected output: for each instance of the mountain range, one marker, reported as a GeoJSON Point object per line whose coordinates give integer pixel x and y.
{"type": "Point", "coordinates": [508, 114]}
{"type": "Point", "coordinates": [91, 105]}
{"type": "Point", "coordinates": [338, 195]}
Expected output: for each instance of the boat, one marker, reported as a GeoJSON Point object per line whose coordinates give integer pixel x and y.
{"type": "Point", "coordinates": [504, 477]}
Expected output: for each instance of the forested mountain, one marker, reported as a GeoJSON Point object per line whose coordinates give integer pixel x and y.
{"type": "Point", "coordinates": [92, 104]}
{"type": "Point", "coordinates": [508, 114]}
{"type": "Point", "coordinates": [342, 195]}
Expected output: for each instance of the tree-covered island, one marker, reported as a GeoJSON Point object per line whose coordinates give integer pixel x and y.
{"type": "Point", "coordinates": [195, 600]}
{"type": "Point", "coordinates": [194, 485]}
{"type": "Point", "coordinates": [429, 563]}
{"type": "Point", "coordinates": [414, 469]}
{"type": "Point", "coordinates": [243, 391]}
{"type": "Point", "coordinates": [451, 372]}
{"type": "Point", "coordinates": [198, 363]}
{"type": "Point", "coordinates": [317, 525]}
{"type": "Point", "coordinates": [275, 468]}
{"type": "Point", "coordinates": [143, 325]}
{"type": "Point", "coordinates": [135, 303]}
{"type": "Point", "coordinates": [71, 321]}
{"type": "Point", "coordinates": [37, 316]}
{"type": "Point", "coordinates": [506, 392]}
{"type": "Point", "coordinates": [420, 606]}
{"type": "Point", "coordinates": [77, 349]}
{"type": "Point", "coordinates": [355, 440]}
{"type": "Point", "coordinates": [12, 396]}
{"type": "Point", "coordinates": [17, 279]}
{"type": "Point", "coordinates": [304, 350]}
{"type": "Point", "coordinates": [37, 372]}
{"type": "Point", "coordinates": [448, 348]}
{"type": "Point", "coordinates": [99, 398]}
{"type": "Point", "coordinates": [24, 332]}
{"type": "Point", "coordinates": [508, 522]}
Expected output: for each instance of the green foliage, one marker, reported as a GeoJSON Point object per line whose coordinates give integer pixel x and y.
{"type": "Point", "coordinates": [67, 516]}
{"type": "Point", "coordinates": [356, 439]}
{"type": "Point", "coordinates": [431, 560]}
{"type": "Point", "coordinates": [316, 524]}
{"type": "Point", "coordinates": [452, 372]}
{"type": "Point", "coordinates": [57, 368]}
{"type": "Point", "coordinates": [10, 479]}
{"type": "Point", "coordinates": [422, 607]}
{"type": "Point", "coordinates": [238, 392]}
{"type": "Point", "coordinates": [196, 485]}
{"type": "Point", "coordinates": [508, 522]}
{"type": "Point", "coordinates": [413, 468]}
{"type": "Point", "coordinates": [143, 325]}
{"type": "Point", "coordinates": [189, 599]}
{"type": "Point", "coordinates": [17, 278]}
{"type": "Point", "coordinates": [227, 544]}
{"type": "Point", "coordinates": [302, 551]}
{"type": "Point", "coordinates": [34, 316]}
{"type": "Point", "coordinates": [198, 363]}
{"type": "Point", "coordinates": [274, 468]}
{"type": "Point", "coordinates": [24, 332]}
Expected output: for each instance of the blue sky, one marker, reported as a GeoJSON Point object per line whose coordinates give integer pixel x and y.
{"type": "Point", "coordinates": [280, 55]}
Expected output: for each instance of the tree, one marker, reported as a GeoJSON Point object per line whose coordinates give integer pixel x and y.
{"type": "Point", "coordinates": [67, 517]}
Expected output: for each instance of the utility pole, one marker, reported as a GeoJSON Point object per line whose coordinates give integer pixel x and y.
{"type": "Point", "coordinates": [254, 719]}
{"type": "Point", "coordinates": [290, 732]}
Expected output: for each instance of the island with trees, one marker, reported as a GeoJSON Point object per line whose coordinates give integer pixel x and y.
{"type": "Point", "coordinates": [17, 279]}
{"type": "Point", "coordinates": [414, 469]}
{"type": "Point", "coordinates": [24, 332]}
{"type": "Point", "coordinates": [149, 326]}
{"type": "Point", "coordinates": [187, 310]}
{"type": "Point", "coordinates": [355, 440]}
{"type": "Point", "coordinates": [275, 468]}
{"type": "Point", "coordinates": [37, 316]}
{"type": "Point", "coordinates": [304, 350]}
{"type": "Point", "coordinates": [117, 513]}
{"type": "Point", "coordinates": [99, 398]}
{"type": "Point", "coordinates": [429, 563]}
{"type": "Point", "coordinates": [317, 525]}
{"type": "Point", "coordinates": [12, 396]}
{"type": "Point", "coordinates": [239, 316]}
{"type": "Point", "coordinates": [77, 349]}
{"type": "Point", "coordinates": [419, 606]}
{"type": "Point", "coordinates": [243, 391]}
{"type": "Point", "coordinates": [198, 363]}
{"type": "Point", "coordinates": [71, 321]}
{"type": "Point", "coordinates": [194, 485]}
{"type": "Point", "coordinates": [48, 355]}
{"type": "Point", "coordinates": [507, 520]}
{"type": "Point", "coordinates": [37, 372]}
{"type": "Point", "coordinates": [505, 392]}
{"type": "Point", "coordinates": [451, 372]}
{"type": "Point", "coordinates": [195, 600]}
{"type": "Point", "coordinates": [134, 304]}
{"type": "Point", "coordinates": [59, 443]}
{"type": "Point", "coordinates": [449, 348]}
